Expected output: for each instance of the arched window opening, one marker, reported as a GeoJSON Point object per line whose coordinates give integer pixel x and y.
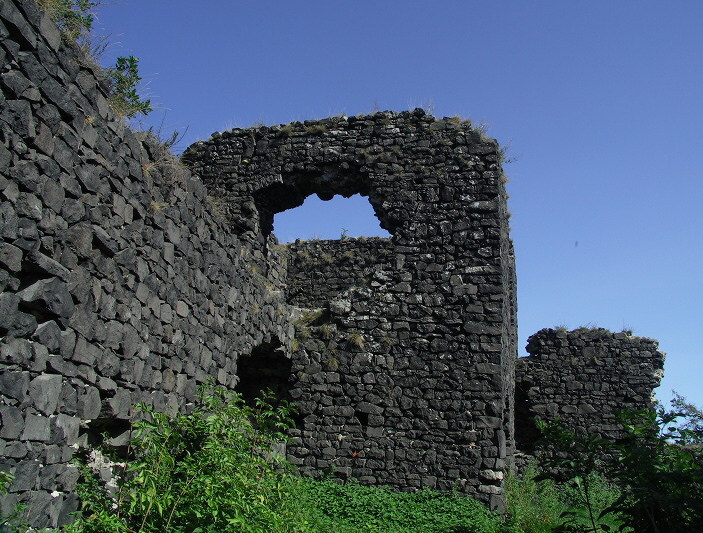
{"type": "Point", "coordinates": [333, 219]}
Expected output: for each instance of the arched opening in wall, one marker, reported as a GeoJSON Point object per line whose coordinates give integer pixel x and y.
{"type": "Point", "coordinates": [267, 367]}
{"type": "Point", "coordinates": [332, 219]}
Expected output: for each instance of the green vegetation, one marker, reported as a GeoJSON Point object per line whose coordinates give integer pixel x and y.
{"type": "Point", "coordinates": [352, 508]}
{"type": "Point", "coordinates": [124, 77]}
{"type": "Point", "coordinates": [658, 466]}
{"type": "Point", "coordinates": [15, 520]}
{"type": "Point", "coordinates": [214, 470]}
{"type": "Point", "coordinates": [74, 19]}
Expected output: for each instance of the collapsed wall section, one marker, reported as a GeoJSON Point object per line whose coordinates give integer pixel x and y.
{"type": "Point", "coordinates": [405, 376]}
{"type": "Point", "coordinates": [118, 284]}
{"type": "Point", "coordinates": [583, 377]}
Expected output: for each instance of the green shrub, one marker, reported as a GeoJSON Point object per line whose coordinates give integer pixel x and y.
{"type": "Point", "coordinates": [657, 465]}
{"type": "Point", "coordinates": [210, 471]}
{"type": "Point", "coordinates": [661, 470]}
{"type": "Point", "coordinates": [124, 78]}
{"type": "Point", "coordinates": [74, 19]}
{"type": "Point", "coordinates": [213, 471]}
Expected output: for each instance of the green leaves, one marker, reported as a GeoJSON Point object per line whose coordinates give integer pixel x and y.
{"type": "Point", "coordinates": [211, 470]}
{"type": "Point", "coordinates": [124, 77]}
{"type": "Point", "coordinates": [73, 17]}
{"type": "Point", "coordinates": [352, 508]}
{"type": "Point", "coordinates": [657, 464]}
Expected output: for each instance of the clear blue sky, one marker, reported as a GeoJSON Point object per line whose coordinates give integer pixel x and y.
{"type": "Point", "coordinates": [601, 102]}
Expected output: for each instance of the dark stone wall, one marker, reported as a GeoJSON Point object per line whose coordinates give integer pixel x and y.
{"type": "Point", "coordinates": [584, 377]}
{"type": "Point", "coordinates": [405, 378]}
{"type": "Point", "coordinates": [117, 283]}
{"type": "Point", "coordinates": [320, 270]}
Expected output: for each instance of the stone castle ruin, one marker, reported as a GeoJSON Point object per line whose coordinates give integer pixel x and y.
{"type": "Point", "coordinates": [127, 276]}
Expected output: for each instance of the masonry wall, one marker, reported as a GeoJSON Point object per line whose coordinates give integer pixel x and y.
{"type": "Point", "coordinates": [583, 377]}
{"type": "Point", "coordinates": [117, 283]}
{"type": "Point", "coordinates": [320, 270]}
{"type": "Point", "coordinates": [405, 378]}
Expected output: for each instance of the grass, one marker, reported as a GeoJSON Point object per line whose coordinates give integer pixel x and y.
{"type": "Point", "coordinates": [318, 129]}
{"type": "Point", "coordinates": [355, 339]}
{"type": "Point", "coordinates": [308, 317]}
{"type": "Point", "coordinates": [542, 506]}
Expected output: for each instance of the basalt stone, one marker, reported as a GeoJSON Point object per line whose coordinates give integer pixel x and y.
{"type": "Point", "coordinates": [10, 257]}
{"type": "Point", "coordinates": [48, 334]}
{"type": "Point", "coordinates": [12, 422]}
{"type": "Point", "coordinates": [48, 296]}
{"type": "Point", "coordinates": [36, 428]}
{"type": "Point", "coordinates": [45, 392]}
{"type": "Point", "coordinates": [12, 383]}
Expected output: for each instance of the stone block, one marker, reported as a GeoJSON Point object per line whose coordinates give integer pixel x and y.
{"type": "Point", "coordinates": [11, 257]}
{"type": "Point", "coordinates": [89, 403]}
{"type": "Point", "coordinates": [14, 384]}
{"type": "Point", "coordinates": [48, 296]}
{"type": "Point", "coordinates": [45, 392]}
{"type": "Point", "coordinates": [48, 334]}
{"type": "Point", "coordinates": [36, 428]}
{"type": "Point", "coordinates": [12, 422]}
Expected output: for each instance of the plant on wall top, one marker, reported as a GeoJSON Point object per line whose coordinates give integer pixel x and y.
{"type": "Point", "coordinates": [74, 19]}
{"type": "Point", "coordinates": [124, 77]}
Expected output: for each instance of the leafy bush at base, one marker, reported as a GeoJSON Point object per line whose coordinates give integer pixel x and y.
{"type": "Point", "coordinates": [657, 463]}
{"type": "Point", "coordinates": [210, 471]}
{"type": "Point", "coordinates": [532, 506]}
{"type": "Point", "coordinates": [351, 508]}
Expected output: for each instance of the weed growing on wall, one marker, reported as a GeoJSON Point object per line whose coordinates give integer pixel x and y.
{"type": "Point", "coordinates": [75, 20]}
{"type": "Point", "coordinates": [355, 339]}
{"type": "Point", "coordinates": [124, 77]}
{"type": "Point", "coordinates": [73, 17]}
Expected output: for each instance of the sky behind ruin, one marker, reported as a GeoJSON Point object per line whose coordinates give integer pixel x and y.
{"type": "Point", "coordinates": [600, 103]}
